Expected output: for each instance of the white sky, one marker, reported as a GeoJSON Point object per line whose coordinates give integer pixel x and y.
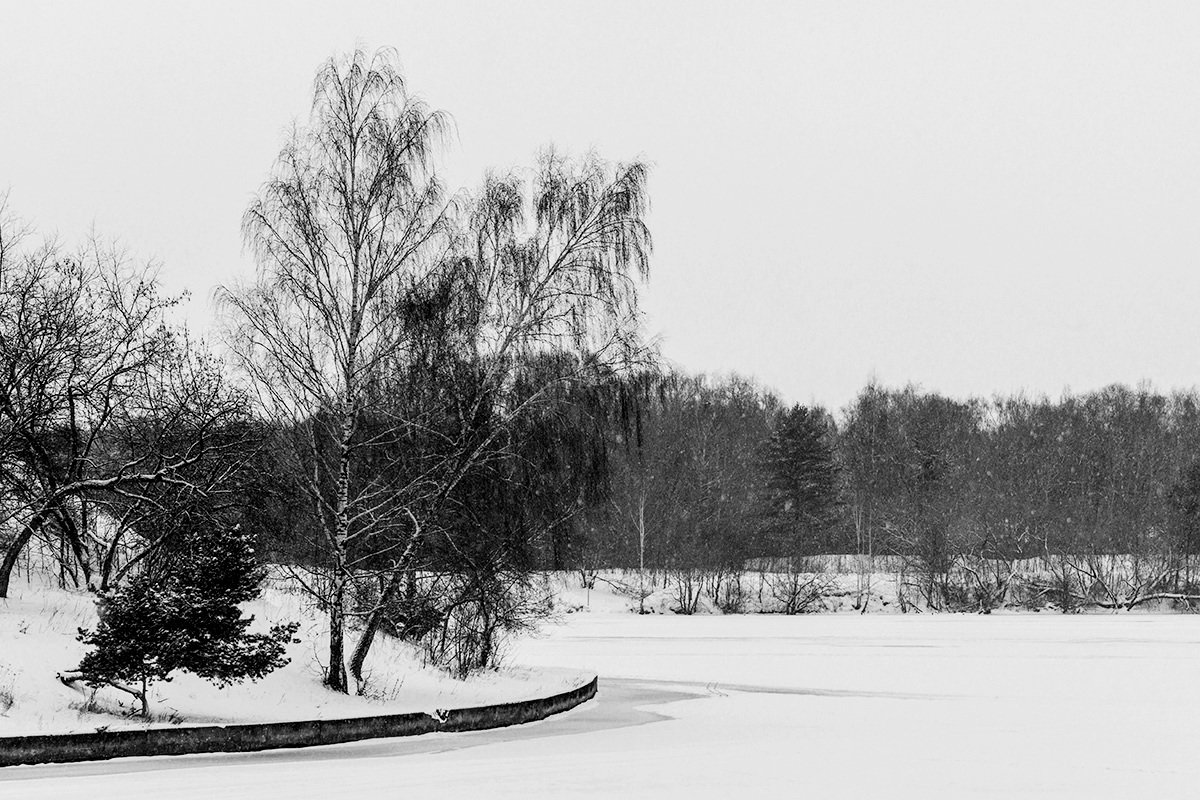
{"type": "Point", "coordinates": [977, 197]}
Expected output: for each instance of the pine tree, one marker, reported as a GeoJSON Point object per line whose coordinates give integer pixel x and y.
{"type": "Point", "coordinates": [182, 613]}
{"type": "Point", "coordinates": [801, 497]}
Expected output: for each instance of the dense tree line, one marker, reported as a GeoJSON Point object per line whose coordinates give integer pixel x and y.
{"type": "Point", "coordinates": [1074, 481]}
{"type": "Point", "coordinates": [1095, 495]}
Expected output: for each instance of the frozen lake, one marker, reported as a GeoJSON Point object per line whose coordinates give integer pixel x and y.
{"type": "Point", "coordinates": [1032, 705]}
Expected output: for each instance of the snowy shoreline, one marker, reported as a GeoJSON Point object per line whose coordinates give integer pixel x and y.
{"type": "Point", "coordinates": [38, 626]}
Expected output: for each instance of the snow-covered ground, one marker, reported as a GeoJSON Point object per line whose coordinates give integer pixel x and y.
{"type": "Point", "coordinates": [830, 706]}
{"type": "Point", "coordinates": [38, 626]}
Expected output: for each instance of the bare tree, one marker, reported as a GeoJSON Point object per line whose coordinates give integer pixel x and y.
{"type": "Point", "coordinates": [350, 217]}
{"type": "Point", "coordinates": [387, 333]}
{"type": "Point", "coordinates": [102, 405]}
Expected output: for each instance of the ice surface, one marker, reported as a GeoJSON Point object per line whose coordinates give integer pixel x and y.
{"type": "Point", "coordinates": [830, 706]}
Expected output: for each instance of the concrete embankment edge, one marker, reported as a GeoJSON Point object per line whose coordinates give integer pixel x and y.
{"type": "Point", "coordinates": [59, 748]}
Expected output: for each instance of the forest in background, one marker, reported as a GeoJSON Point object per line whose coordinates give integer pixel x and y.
{"type": "Point", "coordinates": [711, 477]}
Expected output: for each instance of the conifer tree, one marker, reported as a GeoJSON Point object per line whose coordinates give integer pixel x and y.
{"type": "Point", "coordinates": [802, 480]}
{"type": "Point", "coordinates": [182, 613]}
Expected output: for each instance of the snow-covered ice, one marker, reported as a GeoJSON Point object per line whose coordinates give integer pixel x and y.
{"type": "Point", "coordinates": [929, 706]}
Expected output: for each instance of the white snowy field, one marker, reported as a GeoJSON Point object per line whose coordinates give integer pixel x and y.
{"type": "Point", "coordinates": [831, 706]}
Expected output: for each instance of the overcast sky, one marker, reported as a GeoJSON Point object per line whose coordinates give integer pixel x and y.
{"type": "Point", "coordinates": [976, 197]}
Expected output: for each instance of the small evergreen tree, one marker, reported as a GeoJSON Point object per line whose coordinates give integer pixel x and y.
{"type": "Point", "coordinates": [182, 613]}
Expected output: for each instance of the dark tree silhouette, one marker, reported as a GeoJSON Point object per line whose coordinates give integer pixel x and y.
{"type": "Point", "coordinates": [802, 482]}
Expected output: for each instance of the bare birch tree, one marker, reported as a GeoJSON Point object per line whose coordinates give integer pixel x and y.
{"type": "Point", "coordinates": [367, 271]}
{"type": "Point", "coordinates": [350, 217]}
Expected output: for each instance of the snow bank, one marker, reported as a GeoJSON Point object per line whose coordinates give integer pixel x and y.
{"type": "Point", "coordinates": [38, 626]}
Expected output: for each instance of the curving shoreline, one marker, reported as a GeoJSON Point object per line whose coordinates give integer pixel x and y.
{"type": "Point", "coordinates": [72, 747]}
